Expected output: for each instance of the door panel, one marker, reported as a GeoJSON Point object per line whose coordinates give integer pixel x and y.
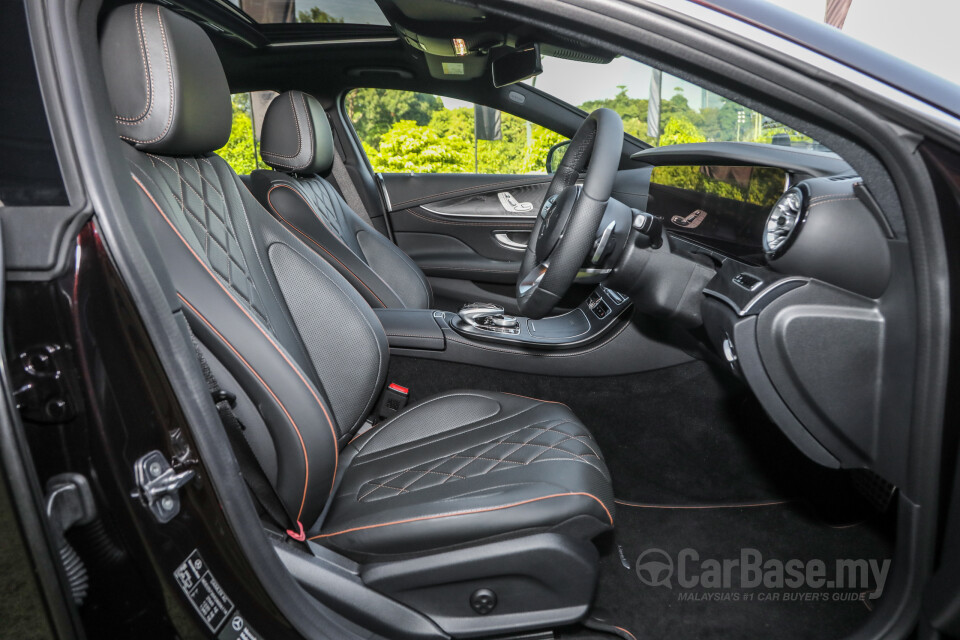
{"type": "Point", "coordinates": [445, 256]}
{"type": "Point", "coordinates": [503, 201]}
{"type": "Point", "coordinates": [408, 189]}
{"type": "Point", "coordinates": [464, 230]}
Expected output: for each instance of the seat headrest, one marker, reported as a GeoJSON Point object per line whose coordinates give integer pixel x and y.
{"type": "Point", "coordinates": [296, 135]}
{"type": "Point", "coordinates": [167, 86]}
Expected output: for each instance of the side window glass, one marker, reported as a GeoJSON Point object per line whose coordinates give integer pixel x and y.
{"type": "Point", "coordinates": [408, 132]}
{"type": "Point", "coordinates": [242, 151]}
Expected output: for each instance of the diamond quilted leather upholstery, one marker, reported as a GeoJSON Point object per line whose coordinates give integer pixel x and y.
{"type": "Point", "coordinates": [465, 466]}
{"type": "Point", "coordinates": [200, 195]}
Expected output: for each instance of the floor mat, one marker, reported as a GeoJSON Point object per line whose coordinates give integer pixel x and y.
{"type": "Point", "coordinates": [661, 601]}
{"type": "Point", "coordinates": [684, 435]}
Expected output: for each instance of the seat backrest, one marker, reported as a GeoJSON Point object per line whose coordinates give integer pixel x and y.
{"type": "Point", "coordinates": [282, 329]}
{"type": "Point", "coordinates": [297, 142]}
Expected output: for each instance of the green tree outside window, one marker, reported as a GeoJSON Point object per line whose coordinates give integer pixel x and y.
{"type": "Point", "coordinates": [240, 152]}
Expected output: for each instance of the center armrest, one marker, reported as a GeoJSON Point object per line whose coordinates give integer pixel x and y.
{"type": "Point", "coordinates": [411, 329]}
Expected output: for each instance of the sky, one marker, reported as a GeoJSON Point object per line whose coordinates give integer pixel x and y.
{"type": "Point", "coordinates": [921, 32]}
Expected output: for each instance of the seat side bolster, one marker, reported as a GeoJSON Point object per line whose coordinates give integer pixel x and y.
{"type": "Point", "coordinates": [406, 278]}
{"type": "Point", "coordinates": [300, 421]}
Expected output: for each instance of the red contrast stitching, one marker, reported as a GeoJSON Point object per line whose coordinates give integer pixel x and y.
{"type": "Point", "coordinates": [320, 218]}
{"type": "Point", "coordinates": [470, 512]}
{"type": "Point", "coordinates": [309, 387]}
{"type": "Point", "coordinates": [306, 458]}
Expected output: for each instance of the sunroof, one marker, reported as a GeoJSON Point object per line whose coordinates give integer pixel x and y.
{"type": "Point", "coordinates": [313, 11]}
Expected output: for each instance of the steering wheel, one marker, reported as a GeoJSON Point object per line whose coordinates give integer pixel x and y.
{"type": "Point", "coordinates": [570, 216]}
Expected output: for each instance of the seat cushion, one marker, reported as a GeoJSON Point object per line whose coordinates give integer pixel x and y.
{"type": "Point", "coordinates": [465, 466]}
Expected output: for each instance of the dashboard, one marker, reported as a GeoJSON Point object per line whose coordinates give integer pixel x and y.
{"type": "Point", "coordinates": [783, 260]}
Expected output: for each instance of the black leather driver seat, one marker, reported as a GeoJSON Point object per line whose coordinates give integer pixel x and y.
{"type": "Point", "coordinates": [297, 142]}
{"type": "Point", "coordinates": [306, 356]}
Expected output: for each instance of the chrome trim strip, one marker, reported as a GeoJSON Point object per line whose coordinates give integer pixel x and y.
{"type": "Point", "coordinates": [502, 239]}
{"type": "Point", "coordinates": [589, 273]}
{"type": "Point", "coordinates": [480, 216]}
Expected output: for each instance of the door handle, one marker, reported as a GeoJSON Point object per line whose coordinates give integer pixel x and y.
{"type": "Point", "coordinates": [503, 238]}
{"type": "Point", "coordinates": [510, 203]}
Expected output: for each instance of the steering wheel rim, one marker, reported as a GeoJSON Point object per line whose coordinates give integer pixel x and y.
{"type": "Point", "coordinates": [570, 216]}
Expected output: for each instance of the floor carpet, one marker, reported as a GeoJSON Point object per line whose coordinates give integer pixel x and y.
{"type": "Point", "coordinates": [685, 445]}
{"type": "Point", "coordinates": [688, 434]}
{"type": "Point", "coordinates": [777, 531]}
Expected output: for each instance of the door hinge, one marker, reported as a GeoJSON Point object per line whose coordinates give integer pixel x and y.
{"type": "Point", "coordinates": [160, 484]}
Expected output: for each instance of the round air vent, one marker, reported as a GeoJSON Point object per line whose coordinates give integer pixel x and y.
{"type": "Point", "coordinates": [782, 222]}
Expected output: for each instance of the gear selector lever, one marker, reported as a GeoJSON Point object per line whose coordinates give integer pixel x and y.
{"type": "Point", "coordinates": [484, 315]}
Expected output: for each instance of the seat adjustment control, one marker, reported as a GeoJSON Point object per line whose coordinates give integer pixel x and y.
{"type": "Point", "coordinates": [483, 601]}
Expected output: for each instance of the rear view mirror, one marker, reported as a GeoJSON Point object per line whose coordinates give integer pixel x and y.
{"type": "Point", "coordinates": [517, 65]}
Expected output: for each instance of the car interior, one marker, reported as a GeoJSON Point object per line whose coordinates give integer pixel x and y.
{"type": "Point", "coordinates": [471, 403]}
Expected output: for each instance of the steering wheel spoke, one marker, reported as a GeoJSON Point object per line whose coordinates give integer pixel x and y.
{"type": "Point", "coordinates": [564, 232]}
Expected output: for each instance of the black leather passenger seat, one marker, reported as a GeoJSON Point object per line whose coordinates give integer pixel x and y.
{"type": "Point", "coordinates": [467, 465]}
{"type": "Point", "coordinates": [459, 491]}
{"type": "Point", "coordinates": [297, 142]}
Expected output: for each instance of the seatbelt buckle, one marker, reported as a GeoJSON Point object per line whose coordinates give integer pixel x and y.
{"type": "Point", "coordinates": [392, 400]}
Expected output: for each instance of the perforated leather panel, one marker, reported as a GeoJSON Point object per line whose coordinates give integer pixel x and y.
{"type": "Point", "coordinates": [432, 417]}
{"type": "Point", "coordinates": [348, 354]}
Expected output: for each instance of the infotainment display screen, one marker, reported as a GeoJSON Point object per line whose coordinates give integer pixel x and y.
{"type": "Point", "coordinates": [724, 207]}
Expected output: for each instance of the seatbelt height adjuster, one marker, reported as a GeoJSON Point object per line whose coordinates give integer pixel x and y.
{"type": "Point", "coordinates": [392, 400]}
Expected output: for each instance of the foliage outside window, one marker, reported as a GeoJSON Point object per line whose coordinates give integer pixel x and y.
{"type": "Point", "coordinates": [240, 152]}
{"type": "Point", "coordinates": [755, 185]}
{"type": "Point", "coordinates": [658, 108]}
{"type": "Point", "coordinates": [716, 120]}
{"type": "Point", "coordinates": [403, 131]}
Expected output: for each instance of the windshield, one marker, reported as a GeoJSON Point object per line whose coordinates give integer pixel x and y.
{"type": "Point", "coordinates": [920, 32]}
{"type": "Point", "coordinates": [661, 109]}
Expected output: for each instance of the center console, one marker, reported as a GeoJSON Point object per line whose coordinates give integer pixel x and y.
{"type": "Point", "coordinates": [488, 323]}
{"type": "Point", "coordinates": [425, 329]}
{"type": "Point", "coordinates": [600, 337]}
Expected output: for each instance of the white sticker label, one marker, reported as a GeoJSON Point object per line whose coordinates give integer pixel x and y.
{"type": "Point", "coordinates": [453, 68]}
{"type": "Point", "coordinates": [203, 591]}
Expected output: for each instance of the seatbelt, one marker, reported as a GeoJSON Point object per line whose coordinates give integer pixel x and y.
{"type": "Point", "coordinates": [347, 189]}
{"type": "Point", "coordinates": [250, 468]}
